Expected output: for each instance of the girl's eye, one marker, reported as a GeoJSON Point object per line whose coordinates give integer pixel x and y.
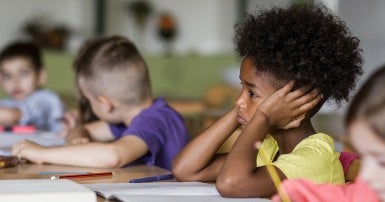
{"type": "Point", "coordinates": [252, 95]}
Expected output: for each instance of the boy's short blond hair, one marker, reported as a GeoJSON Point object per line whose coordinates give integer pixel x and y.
{"type": "Point", "coordinates": [112, 66]}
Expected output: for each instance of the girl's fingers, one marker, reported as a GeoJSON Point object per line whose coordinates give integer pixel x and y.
{"type": "Point", "coordinates": [304, 104]}
{"type": "Point", "coordinates": [309, 97]}
{"type": "Point", "coordinates": [286, 89]}
{"type": "Point", "coordinates": [302, 92]}
{"type": "Point", "coordinates": [310, 104]}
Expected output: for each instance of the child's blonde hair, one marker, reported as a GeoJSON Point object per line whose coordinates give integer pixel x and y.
{"type": "Point", "coordinates": [113, 66]}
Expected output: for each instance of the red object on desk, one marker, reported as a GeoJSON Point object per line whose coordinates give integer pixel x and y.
{"type": "Point", "coordinates": [23, 129]}
{"type": "Point", "coordinates": [78, 176]}
{"type": "Point", "coordinates": [18, 129]}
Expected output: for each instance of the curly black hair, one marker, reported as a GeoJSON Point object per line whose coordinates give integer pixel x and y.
{"type": "Point", "coordinates": [304, 43]}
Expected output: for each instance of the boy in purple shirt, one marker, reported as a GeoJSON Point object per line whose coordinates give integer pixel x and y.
{"type": "Point", "coordinates": [113, 77]}
{"type": "Point", "coordinates": [152, 126]}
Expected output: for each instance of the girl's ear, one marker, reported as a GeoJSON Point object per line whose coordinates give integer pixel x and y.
{"type": "Point", "coordinates": [106, 103]}
{"type": "Point", "coordinates": [42, 77]}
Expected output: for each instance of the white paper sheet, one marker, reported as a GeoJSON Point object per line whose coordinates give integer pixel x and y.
{"type": "Point", "coordinates": [45, 190]}
{"type": "Point", "coordinates": [41, 138]}
{"type": "Point", "coordinates": [164, 191]}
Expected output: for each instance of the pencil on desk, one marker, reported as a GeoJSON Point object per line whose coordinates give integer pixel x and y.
{"type": "Point", "coordinates": [272, 172]}
{"type": "Point", "coordinates": [80, 176]}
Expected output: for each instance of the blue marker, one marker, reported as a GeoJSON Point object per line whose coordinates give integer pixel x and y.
{"type": "Point", "coordinates": [152, 178]}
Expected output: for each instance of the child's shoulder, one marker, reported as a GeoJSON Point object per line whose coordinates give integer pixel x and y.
{"type": "Point", "coordinates": [159, 112]}
{"type": "Point", "coordinates": [161, 105]}
{"type": "Point", "coordinates": [320, 138]}
{"type": "Point", "coordinates": [44, 96]}
{"type": "Point", "coordinates": [319, 142]}
{"type": "Point", "coordinates": [44, 93]}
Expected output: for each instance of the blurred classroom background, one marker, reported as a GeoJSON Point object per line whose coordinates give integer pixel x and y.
{"type": "Point", "coordinates": [187, 44]}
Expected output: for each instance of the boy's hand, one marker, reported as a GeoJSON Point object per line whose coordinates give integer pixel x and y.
{"type": "Point", "coordinates": [28, 150]}
{"type": "Point", "coordinates": [285, 109]}
{"type": "Point", "coordinates": [78, 135]}
{"type": "Point", "coordinates": [70, 121]}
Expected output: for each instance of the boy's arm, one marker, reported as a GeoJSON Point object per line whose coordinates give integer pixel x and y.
{"type": "Point", "coordinates": [239, 176]}
{"type": "Point", "coordinates": [105, 155]}
{"type": "Point", "coordinates": [97, 131]}
{"type": "Point", "coordinates": [9, 116]}
{"type": "Point", "coordinates": [198, 160]}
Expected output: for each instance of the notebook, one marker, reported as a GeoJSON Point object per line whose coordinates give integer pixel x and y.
{"type": "Point", "coordinates": [44, 190]}
{"type": "Point", "coordinates": [163, 192]}
{"type": "Point", "coordinates": [42, 138]}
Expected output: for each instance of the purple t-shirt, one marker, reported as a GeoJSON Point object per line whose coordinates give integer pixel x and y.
{"type": "Point", "coordinates": [161, 128]}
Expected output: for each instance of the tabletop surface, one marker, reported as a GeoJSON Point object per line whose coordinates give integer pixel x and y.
{"type": "Point", "coordinates": [120, 175]}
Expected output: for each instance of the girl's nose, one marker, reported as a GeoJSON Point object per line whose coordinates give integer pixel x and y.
{"type": "Point", "coordinates": [240, 102]}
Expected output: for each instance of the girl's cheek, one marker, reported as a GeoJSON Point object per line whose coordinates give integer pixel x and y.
{"type": "Point", "coordinates": [368, 169]}
{"type": "Point", "coordinates": [374, 174]}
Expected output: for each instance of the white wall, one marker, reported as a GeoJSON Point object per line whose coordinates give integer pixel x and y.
{"type": "Point", "coordinates": [366, 20]}
{"type": "Point", "coordinates": [203, 26]}
{"type": "Point", "coordinates": [78, 15]}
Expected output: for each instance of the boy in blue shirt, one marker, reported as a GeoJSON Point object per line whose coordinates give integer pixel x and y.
{"type": "Point", "coordinates": [22, 76]}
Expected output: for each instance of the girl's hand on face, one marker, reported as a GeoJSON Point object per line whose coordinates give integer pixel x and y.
{"type": "Point", "coordinates": [285, 109]}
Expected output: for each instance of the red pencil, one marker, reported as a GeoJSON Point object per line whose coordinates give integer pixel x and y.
{"type": "Point", "coordinates": [78, 176]}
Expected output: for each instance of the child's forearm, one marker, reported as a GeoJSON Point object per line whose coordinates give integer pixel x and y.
{"type": "Point", "coordinates": [89, 155]}
{"type": "Point", "coordinates": [242, 156]}
{"type": "Point", "coordinates": [99, 131]}
{"type": "Point", "coordinates": [78, 135]}
{"type": "Point", "coordinates": [106, 155]}
{"type": "Point", "coordinates": [195, 160]}
{"type": "Point", "coordinates": [239, 167]}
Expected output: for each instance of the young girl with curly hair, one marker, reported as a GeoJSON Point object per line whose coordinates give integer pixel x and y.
{"type": "Point", "coordinates": [294, 59]}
